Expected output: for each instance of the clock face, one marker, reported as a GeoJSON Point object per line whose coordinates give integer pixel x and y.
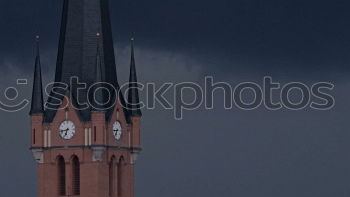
{"type": "Point", "coordinates": [67, 130]}
{"type": "Point", "coordinates": [117, 130]}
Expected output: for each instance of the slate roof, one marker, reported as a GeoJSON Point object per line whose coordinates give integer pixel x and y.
{"type": "Point", "coordinates": [99, 97]}
{"type": "Point", "coordinates": [133, 94]}
{"type": "Point", "coordinates": [81, 20]}
{"type": "Point", "coordinates": [37, 104]}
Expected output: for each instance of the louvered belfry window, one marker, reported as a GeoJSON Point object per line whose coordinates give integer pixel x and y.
{"type": "Point", "coordinates": [61, 166]}
{"type": "Point", "coordinates": [76, 175]}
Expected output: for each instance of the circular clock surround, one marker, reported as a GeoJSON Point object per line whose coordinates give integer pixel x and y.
{"type": "Point", "coordinates": [67, 130]}
{"type": "Point", "coordinates": [117, 130]}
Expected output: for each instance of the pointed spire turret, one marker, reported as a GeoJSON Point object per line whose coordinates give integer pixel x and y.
{"type": "Point", "coordinates": [37, 105]}
{"type": "Point", "coordinates": [133, 94]}
{"type": "Point", "coordinates": [98, 98]}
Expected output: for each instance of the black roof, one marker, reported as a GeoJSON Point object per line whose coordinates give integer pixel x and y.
{"type": "Point", "coordinates": [81, 21]}
{"type": "Point", "coordinates": [37, 106]}
{"type": "Point", "coordinates": [99, 97]}
{"type": "Point", "coordinates": [133, 93]}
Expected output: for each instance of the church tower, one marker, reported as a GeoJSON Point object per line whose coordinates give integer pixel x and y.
{"type": "Point", "coordinates": [86, 138]}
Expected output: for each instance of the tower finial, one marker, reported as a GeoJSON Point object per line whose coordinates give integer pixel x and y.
{"type": "Point", "coordinates": [37, 40]}
{"type": "Point", "coordinates": [132, 38]}
{"type": "Point", "coordinates": [98, 55]}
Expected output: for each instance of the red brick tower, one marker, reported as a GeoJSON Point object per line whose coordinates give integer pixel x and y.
{"type": "Point", "coordinates": [85, 142]}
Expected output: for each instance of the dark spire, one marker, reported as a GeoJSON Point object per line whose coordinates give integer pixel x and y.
{"type": "Point", "coordinates": [98, 98]}
{"type": "Point", "coordinates": [37, 105]}
{"type": "Point", "coordinates": [77, 52]}
{"type": "Point", "coordinates": [77, 46]}
{"type": "Point", "coordinates": [133, 93]}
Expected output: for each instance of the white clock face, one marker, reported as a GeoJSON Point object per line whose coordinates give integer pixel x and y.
{"type": "Point", "coordinates": [117, 130]}
{"type": "Point", "coordinates": [67, 130]}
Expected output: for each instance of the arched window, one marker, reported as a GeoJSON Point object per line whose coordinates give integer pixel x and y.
{"type": "Point", "coordinates": [75, 175]}
{"type": "Point", "coordinates": [61, 166]}
{"type": "Point", "coordinates": [120, 177]}
{"type": "Point", "coordinates": [111, 177]}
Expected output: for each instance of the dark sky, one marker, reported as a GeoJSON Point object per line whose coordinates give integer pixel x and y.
{"type": "Point", "coordinates": [261, 35]}
{"type": "Point", "coordinates": [211, 152]}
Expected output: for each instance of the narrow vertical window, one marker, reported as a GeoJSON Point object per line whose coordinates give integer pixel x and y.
{"type": "Point", "coordinates": [33, 136]}
{"type": "Point", "coordinates": [76, 175]}
{"type": "Point", "coordinates": [95, 134]}
{"type": "Point", "coordinates": [61, 166]}
{"type": "Point", "coordinates": [111, 177]}
{"type": "Point", "coordinates": [120, 177]}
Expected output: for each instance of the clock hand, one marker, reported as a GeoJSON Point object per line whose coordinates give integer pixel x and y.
{"type": "Point", "coordinates": [65, 131]}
